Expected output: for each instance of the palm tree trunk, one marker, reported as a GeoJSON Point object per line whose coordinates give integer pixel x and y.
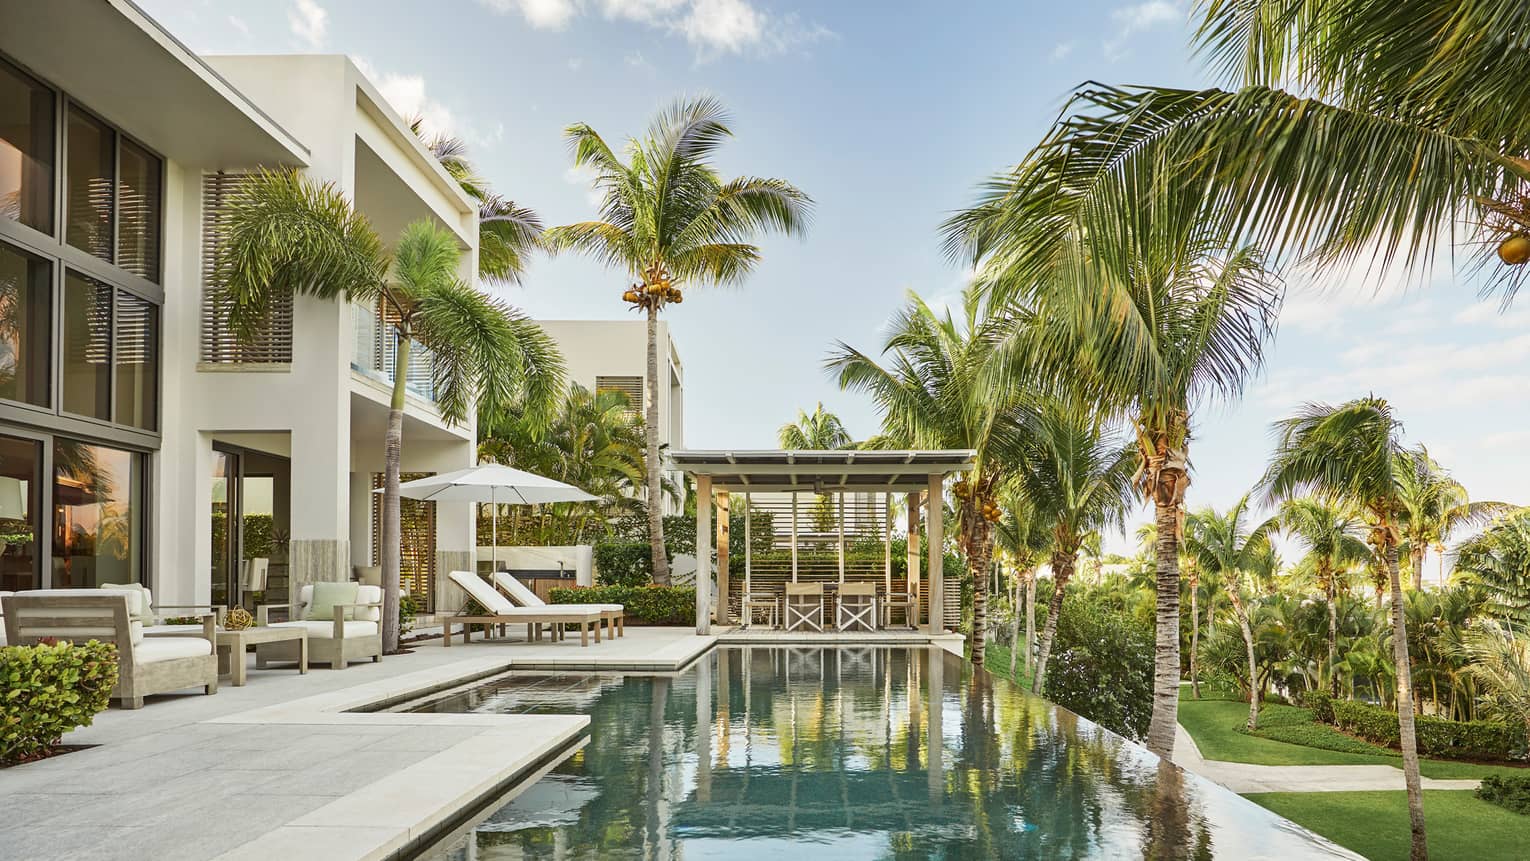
{"type": "Point", "coordinates": [1417, 558]}
{"type": "Point", "coordinates": [1062, 570]}
{"type": "Point", "coordinates": [1248, 644]}
{"type": "Point", "coordinates": [1014, 637]}
{"type": "Point", "coordinates": [1333, 637]}
{"type": "Point", "coordinates": [651, 437]}
{"type": "Point", "coordinates": [392, 533]}
{"type": "Point", "coordinates": [1030, 620]}
{"type": "Point", "coordinates": [979, 549]}
{"type": "Point", "coordinates": [1195, 638]}
{"type": "Point", "coordinates": [1405, 723]}
{"type": "Point", "coordinates": [1161, 728]}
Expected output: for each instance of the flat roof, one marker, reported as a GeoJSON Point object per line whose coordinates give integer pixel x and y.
{"type": "Point", "coordinates": [816, 471]}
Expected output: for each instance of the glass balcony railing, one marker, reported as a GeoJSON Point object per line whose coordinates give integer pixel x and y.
{"type": "Point", "coordinates": [374, 347]}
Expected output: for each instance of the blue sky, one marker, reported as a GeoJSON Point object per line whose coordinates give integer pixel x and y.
{"type": "Point", "coordinates": [887, 113]}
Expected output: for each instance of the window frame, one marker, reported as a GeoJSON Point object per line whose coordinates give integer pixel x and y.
{"type": "Point", "coordinates": [62, 257]}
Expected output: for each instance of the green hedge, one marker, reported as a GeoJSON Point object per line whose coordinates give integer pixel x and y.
{"type": "Point", "coordinates": [1102, 666]}
{"type": "Point", "coordinates": [1511, 792]}
{"type": "Point", "coordinates": [1436, 737]}
{"type": "Point", "coordinates": [1321, 705]}
{"type": "Point", "coordinates": [48, 690]}
{"type": "Point", "coordinates": [652, 605]}
{"type": "Point", "coordinates": [623, 563]}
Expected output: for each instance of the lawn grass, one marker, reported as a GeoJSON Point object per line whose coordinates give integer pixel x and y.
{"type": "Point", "coordinates": [1289, 736]}
{"type": "Point", "coordinates": [996, 661]}
{"type": "Point", "coordinates": [1375, 824]}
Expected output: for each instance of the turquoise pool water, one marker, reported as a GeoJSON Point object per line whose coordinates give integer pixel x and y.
{"type": "Point", "coordinates": [895, 753]}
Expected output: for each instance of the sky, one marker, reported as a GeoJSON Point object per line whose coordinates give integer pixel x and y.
{"type": "Point", "coordinates": [888, 113]}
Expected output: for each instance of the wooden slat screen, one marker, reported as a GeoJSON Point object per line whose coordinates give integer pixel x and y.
{"type": "Point", "coordinates": [632, 387]}
{"type": "Point", "coordinates": [417, 522]}
{"type": "Point", "coordinates": [220, 345]}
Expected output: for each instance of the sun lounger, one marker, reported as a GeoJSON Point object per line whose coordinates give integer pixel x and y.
{"type": "Point", "coordinates": [499, 611]}
{"type": "Point", "coordinates": [612, 614]}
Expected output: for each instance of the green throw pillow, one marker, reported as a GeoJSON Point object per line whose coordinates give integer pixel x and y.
{"type": "Point", "coordinates": [326, 595]}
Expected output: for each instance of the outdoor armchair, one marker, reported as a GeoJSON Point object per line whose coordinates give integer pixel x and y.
{"type": "Point", "coordinates": [335, 641]}
{"type": "Point", "coordinates": [144, 665]}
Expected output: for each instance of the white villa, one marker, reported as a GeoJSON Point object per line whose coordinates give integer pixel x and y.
{"type": "Point", "coordinates": [134, 429]}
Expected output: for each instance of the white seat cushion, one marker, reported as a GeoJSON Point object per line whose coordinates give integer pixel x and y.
{"type": "Point", "coordinates": [320, 629]}
{"type": "Point", "coordinates": [172, 631]}
{"type": "Point", "coordinates": [156, 649]}
{"type": "Point", "coordinates": [2, 617]}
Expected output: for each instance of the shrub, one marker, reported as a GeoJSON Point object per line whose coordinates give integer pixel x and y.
{"type": "Point", "coordinates": [408, 608]}
{"type": "Point", "coordinates": [623, 563]}
{"type": "Point", "coordinates": [1321, 704]}
{"type": "Point", "coordinates": [653, 605]}
{"type": "Point", "coordinates": [1437, 737]}
{"type": "Point", "coordinates": [1511, 792]}
{"type": "Point", "coordinates": [1102, 666]}
{"type": "Point", "coordinates": [48, 690]}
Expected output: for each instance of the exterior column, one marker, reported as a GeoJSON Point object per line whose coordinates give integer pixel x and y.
{"type": "Point", "coordinates": [703, 554]}
{"type": "Point", "coordinates": [720, 612]}
{"type": "Point", "coordinates": [935, 525]}
{"type": "Point", "coordinates": [935, 763]}
{"type": "Point", "coordinates": [913, 554]}
{"type": "Point", "coordinates": [794, 536]}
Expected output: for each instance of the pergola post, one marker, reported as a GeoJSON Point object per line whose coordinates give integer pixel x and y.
{"type": "Point", "coordinates": [794, 536]}
{"type": "Point", "coordinates": [840, 498]}
{"type": "Point", "coordinates": [720, 612]}
{"type": "Point", "coordinates": [703, 554]}
{"type": "Point", "coordinates": [935, 526]}
{"type": "Point", "coordinates": [748, 549]}
{"type": "Point", "coordinates": [887, 516]}
{"type": "Point", "coordinates": [913, 553]}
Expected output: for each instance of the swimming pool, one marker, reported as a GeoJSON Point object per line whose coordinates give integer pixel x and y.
{"type": "Point", "coordinates": [769, 752]}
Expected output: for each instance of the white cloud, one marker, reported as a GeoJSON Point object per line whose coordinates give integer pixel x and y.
{"type": "Point", "coordinates": [1131, 20]}
{"type": "Point", "coordinates": [541, 14]}
{"type": "Point", "coordinates": [1514, 440]}
{"type": "Point", "coordinates": [309, 22]}
{"type": "Point", "coordinates": [575, 64]}
{"type": "Point", "coordinates": [711, 27]}
{"type": "Point", "coordinates": [1490, 312]}
{"type": "Point", "coordinates": [239, 24]}
{"type": "Point", "coordinates": [409, 95]}
{"type": "Point", "coordinates": [1062, 50]}
{"type": "Point", "coordinates": [585, 176]}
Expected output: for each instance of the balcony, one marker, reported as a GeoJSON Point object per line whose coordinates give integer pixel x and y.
{"type": "Point", "coordinates": [374, 346]}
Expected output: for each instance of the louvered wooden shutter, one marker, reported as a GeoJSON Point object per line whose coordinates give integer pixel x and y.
{"type": "Point", "coordinates": [220, 345]}
{"type": "Point", "coordinates": [632, 387]}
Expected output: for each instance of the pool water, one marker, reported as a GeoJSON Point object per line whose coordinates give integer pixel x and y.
{"type": "Point", "coordinates": [765, 753]}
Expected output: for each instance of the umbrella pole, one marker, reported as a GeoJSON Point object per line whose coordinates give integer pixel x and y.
{"type": "Point", "coordinates": [493, 534]}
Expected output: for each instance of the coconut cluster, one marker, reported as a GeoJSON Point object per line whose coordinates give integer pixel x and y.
{"type": "Point", "coordinates": [656, 289]}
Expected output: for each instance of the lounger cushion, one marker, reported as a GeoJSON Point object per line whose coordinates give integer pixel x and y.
{"type": "Point", "coordinates": [326, 594]}
{"type": "Point", "coordinates": [172, 630]}
{"type": "Point", "coordinates": [322, 630]}
{"type": "Point", "coordinates": [526, 598]}
{"type": "Point", "coordinates": [369, 595]}
{"type": "Point", "coordinates": [157, 649]}
{"type": "Point", "coordinates": [483, 593]}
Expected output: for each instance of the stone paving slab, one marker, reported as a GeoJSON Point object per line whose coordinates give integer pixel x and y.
{"type": "Point", "coordinates": [284, 769]}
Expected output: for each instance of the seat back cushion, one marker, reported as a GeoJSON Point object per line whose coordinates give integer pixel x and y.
{"type": "Point", "coordinates": [140, 605]}
{"type": "Point", "coordinates": [368, 594]}
{"type": "Point", "coordinates": [517, 590]}
{"type": "Point", "coordinates": [326, 594]}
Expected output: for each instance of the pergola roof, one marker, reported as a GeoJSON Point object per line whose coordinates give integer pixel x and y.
{"type": "Point", "coordinates": [846, 471]}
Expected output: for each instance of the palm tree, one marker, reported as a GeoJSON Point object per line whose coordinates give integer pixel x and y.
{"type": "Point", "coordinates": [1024, 536]}
{"type": "Point", "coordinates": [1499, 560]}
{"type": "Point", "coordinates": [1334, 539]}
{"type": "Point", "coordinates": [286, 235]}
{"type": "Point", "coordinates": [1348, 455]}
{"type": "Point", "coordinates": [937, 392]}
{"type": "Point", "coordinates": [1435, 506]}
{"type": "Point", "coordinates": [507, 233]}
{"type": "Point", "coordinates": [1149, 318]}
{"type": "Point", "coordinates": [667, 218]}
{"type": "Point", "coordinates": [1367, 131]}
{"type": "Point", "coordinates": [818, 430]}
{"type": "Point", "coordinates": [1500, 662]}
{"type": "Point", "coordinates": [1223, 546]}
{"type": "Point", "coordinates": [1079, 479]}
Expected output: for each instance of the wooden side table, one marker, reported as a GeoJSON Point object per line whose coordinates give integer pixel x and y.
{"type": "Point", "coordinates": [232, 646]}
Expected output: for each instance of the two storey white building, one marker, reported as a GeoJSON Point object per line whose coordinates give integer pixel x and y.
{"type": "Point", "coordinates": [140, 441]}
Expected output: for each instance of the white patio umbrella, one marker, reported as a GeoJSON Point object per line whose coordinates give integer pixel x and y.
{"type": "Point", "coordinates": [492, 483]}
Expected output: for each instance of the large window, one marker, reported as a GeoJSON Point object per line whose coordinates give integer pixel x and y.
{"type": "Point", "coordinates": [136, 358]}
{"type": "Point", "coordinates": [90, 151]}
{"type": "Point", "coordinates": [138, 197]}
{"type": "Point", "coordinates": [26, 150]}
{"type": "Point", "coordinates": [26, 322]}
{"type": "Point", "coordinates": [20, 470]}
{"type": "Point", "coordinates": [98, 508]}
{"type": "Point", "coordinates": [87, 353]}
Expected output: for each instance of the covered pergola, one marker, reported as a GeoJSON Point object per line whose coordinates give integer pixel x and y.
{"type": "Point", "coordinates": [916, 474]}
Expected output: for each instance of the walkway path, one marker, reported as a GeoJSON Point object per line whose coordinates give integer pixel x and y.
{"type": "Point", "coordinates": [1243, 778]}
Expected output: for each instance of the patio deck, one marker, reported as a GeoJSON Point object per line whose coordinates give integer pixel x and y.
{"type": "Point", "coordinates": [281, 768]}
